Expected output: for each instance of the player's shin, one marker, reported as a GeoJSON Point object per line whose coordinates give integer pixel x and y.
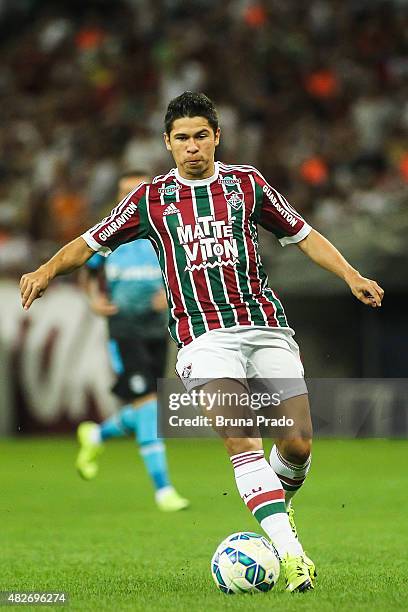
{"type": "Point", "coordinates": [153, 453]}
{"type": "Point", "coordinates": [291, 475]}
{"type": "Point", "coordinates": [121, 424]}
{"type": "Point", "coordinates": [152, 449]}
{"type": "Point", "coordinates": [262, 492]}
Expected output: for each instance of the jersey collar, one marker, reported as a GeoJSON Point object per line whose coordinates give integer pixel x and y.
{"type": "Point", "coordinates": [200, 182]}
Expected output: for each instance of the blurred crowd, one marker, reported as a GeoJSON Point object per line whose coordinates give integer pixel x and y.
{"type": "Point", "coordinates": [315, 94]}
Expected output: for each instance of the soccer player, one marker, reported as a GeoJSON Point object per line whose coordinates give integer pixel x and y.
{"type": "Point", "coordinates": [134, 303]}
{"type": "Point", "coordinates": [202, 218]}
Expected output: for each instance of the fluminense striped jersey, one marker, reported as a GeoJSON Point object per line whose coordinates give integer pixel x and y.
{"type": "Point", "coordinates": [205, 236]}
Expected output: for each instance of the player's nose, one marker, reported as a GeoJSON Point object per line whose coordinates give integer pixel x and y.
{"type": "Point", "coordinates": [192, 146]}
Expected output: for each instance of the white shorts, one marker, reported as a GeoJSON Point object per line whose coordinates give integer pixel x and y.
{"type": "Point", "coordinates": [243, 353]}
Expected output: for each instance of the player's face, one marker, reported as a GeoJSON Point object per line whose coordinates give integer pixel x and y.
{"type": "Point", "coordinates": [127, 183]}
{"type": "Point", "coordinates": [192, 143]}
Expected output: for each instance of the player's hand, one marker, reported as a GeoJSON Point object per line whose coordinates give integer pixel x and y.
{"type": "Point", "coordinates": [159, 301]}
{"type": "Point", "coordinates": [101, 306]}
{"type": "Point", "coordinates": [33, 285]}
{"type": "Point", "coordinates": [366, 290]}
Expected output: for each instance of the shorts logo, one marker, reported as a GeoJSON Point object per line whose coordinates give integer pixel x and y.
{"type": "Point", "coordinates": [186, 373]}
{"type": "Point", "coordinates": [169, 190]}
{"type": "Point", "coordinates": [229, 181]}
{"type": "Point", "coordinates": [137, 384]}
{"type": "Point", "coordinates": [235, 200]}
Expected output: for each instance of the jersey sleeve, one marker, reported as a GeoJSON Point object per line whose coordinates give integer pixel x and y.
{"type": "Point", "coordinates": [125, 223]}
{"type": "Point", "coordinates": [275, 214]}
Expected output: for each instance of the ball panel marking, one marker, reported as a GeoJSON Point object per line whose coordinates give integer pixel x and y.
{"type": "Point", "coordinates": [245, 562]}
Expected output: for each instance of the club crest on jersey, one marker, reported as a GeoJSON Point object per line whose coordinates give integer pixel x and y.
{"type": "Point", "coordinates": [235, 200]}
{"type": "Point", "coordinates": [169, 190]}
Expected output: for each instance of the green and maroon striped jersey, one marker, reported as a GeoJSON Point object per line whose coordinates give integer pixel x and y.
{"type": "Point", "coordinates": [205, 236]}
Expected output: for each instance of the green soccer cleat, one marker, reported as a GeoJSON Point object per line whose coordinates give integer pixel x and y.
{"type": "Point", "coordinates": [297, 573]}
{"type": "Point", "coordinates": [170, 501]}
{"type": "Point", "coordinates": [308, 561]}
{"type": "Point", "coordinates": [291, 517]}
{"type": "Point", "coordinates": [312, 568]}
{"type": "Point", "coordinates": [86, 462]}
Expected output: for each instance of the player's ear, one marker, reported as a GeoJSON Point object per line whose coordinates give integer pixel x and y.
{"type": "Point", "coordinates": [217, 137]}
{"type": "Point", "coordinates": [167, 141]}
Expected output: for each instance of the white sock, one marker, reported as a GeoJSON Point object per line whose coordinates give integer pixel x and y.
{"type": "Point", "coordinates": [290, 475]}
{"type": "Point", "coordinates": [262, 492]}
{"type": "Point", "coordinates": [160, 493]}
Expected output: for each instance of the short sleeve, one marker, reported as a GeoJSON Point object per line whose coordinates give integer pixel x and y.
{"type": "Point", "coordinates": [125, 223]}
{"type": "Point", "coordinates": [275, 214]}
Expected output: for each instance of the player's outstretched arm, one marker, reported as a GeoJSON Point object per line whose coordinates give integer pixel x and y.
{"type": "Point", "coordinates": [68, 259]}
{"type": "Point", "coordinates": [322, 252]}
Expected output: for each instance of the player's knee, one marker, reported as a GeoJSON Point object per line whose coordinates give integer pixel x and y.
{"type": "Point", "coordinates": [235, 446]}
{"type": "Point", "coordinates": [297, 450]}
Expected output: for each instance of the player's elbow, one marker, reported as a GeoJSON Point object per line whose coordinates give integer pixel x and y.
{"type": "Point", "coordinates": [311, 236]}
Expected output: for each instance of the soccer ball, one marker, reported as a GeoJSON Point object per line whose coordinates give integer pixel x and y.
{"type": "Point", "coordinates": [245, 562]}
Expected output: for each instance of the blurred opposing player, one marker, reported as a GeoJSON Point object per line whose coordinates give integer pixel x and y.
{"type": "Point", "coordinates": [135, 304]}
{"type": "Point", "coordinates": [230, 326]}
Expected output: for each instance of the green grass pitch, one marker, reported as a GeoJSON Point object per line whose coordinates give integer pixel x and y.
{"type": "Point", "coordinates": [105, 543]}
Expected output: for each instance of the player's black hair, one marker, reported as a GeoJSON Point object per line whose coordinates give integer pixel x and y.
{"type": "Point", "coordinates": [191, 104]}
